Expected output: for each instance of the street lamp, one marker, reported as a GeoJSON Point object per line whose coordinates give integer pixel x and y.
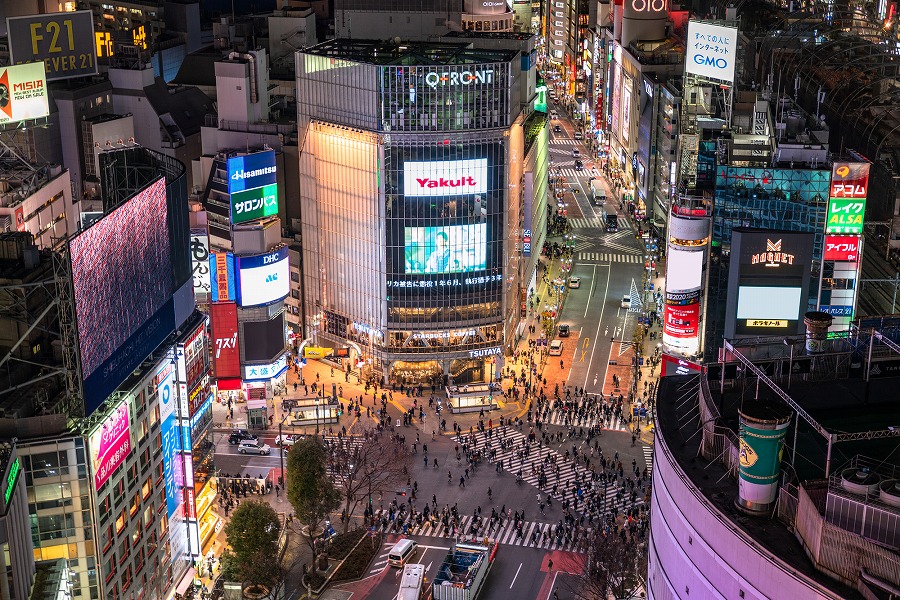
{"type": "Point", "coordinates": [281, 450]}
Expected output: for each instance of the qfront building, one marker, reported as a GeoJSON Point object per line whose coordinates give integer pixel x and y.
{"type": "Point", "coordinates": [423, 178]}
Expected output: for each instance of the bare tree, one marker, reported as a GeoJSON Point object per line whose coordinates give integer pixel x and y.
{"type": "Point", "coordinates": [364, 463]}
{"type": "Point", "coordinates": [611, 566]}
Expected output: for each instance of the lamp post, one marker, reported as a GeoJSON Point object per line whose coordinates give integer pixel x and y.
{"type": "Point", "coordinates": [281, 451]}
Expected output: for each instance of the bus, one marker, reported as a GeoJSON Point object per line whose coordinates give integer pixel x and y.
{"type": "Point", "coordinates": [411, 582]}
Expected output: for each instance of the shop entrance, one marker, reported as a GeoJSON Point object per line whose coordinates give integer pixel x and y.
{"type": "Point", "coordinates": [467, 370]}
{"type": "Point", "coordinates": [419, 372]}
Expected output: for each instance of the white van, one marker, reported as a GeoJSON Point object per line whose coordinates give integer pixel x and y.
{"type": "Point", "coordinates": [555, 348]}
{"type": "Point", "coordinates": [402, 552]}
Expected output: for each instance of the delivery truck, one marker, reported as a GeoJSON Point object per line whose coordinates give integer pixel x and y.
{"type": "Point", "coordinates": [464, 570]}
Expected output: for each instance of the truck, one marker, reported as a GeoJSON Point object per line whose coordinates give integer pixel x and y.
{"type": "Point", "coordinates": [411, 582]}
{"type": "Point", "coordinates": [463, 571]}
{"type": "Point", "coordinates": [597, 191]}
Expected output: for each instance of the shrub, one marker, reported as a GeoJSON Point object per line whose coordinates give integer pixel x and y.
{"type": "Point", "coordinates": [343, 543]}
{"type": "Point", "coordinates": [358, 561]}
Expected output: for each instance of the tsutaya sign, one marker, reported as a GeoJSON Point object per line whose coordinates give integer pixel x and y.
{"type": "Point", "coordinates": [436, 79]}
{"type": "Point", "coordinates": [773, 256]}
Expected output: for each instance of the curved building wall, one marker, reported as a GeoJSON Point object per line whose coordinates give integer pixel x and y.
{"type": "Point", "coordinates": [697, 552]}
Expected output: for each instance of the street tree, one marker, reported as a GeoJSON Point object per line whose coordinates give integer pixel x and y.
{"type": "Point", "coordinates": [364, 463]}
{"type": "Point", "coordinates": [310, 489]}
{"type": "Point", "coordinates": [252, 556]}
{"type": "Point", "coordinates": [612, 566]}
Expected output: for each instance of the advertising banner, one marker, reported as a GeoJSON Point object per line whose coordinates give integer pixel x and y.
{"type": "Point", "coordinates": [445, 178]}
{"type": "Point", "coordinates": [681, 321]}
{"type": "Point", "coordinates": [849, 180]}
{"type": "Point", "coordinates": [711, 51]}
{"type": "Point", "coordinates": [224, 330]}
{"type": "Point", "coordinates": [684, 270]}
{"type": "Point", "coordinates": [221, 283]}
{"type": "Point", "coordinates": [63, 41]}
{"type": "Point", "coordinates": [23, 93]}
{"type": "Point", "coordinates": [110, 444]}
{"type": "Point", "coordinates": [768, 303]}
{"type": "Point", "coordinates": [842, 248]}
{"type": "Point", "coordinates": [267, 371]}
{"type": "Point", "coordinates": [200, 263]}
{"type": "Point", "coordinates": [167, 393]}
{"type": "Point", "coordinates": [845, 215]}
{"type": "Point", "coordinates": [672, 365]}
{"type": "Point", "coordinates": [448, 249]}
{"type": "Point", "coordinates": [760, 454]}
{"type": "Point", "coordinates": [254, 204]}
{"type": "Point", "coordinates": [264, 278]}
{"type": "Point", "coordinates": [251, 171]}
{"type": "Point", "coordinates": [20, 218]}
{"type": "Point", "coordinates": [527, 210]}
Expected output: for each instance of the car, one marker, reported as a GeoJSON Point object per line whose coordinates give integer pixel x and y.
{"type": "Point", "coordinates": [556, 347]}
{"type": "Point", "coordinates": [253, 447]}
{"type": "Point", "coordinates": [563, 330]}
{"type": "Point", "coordinates": [576, 153]}
{"type": "Point", "coordinates": [557, 129]}
{"type": "Point", "coordinates": [579, 166]}
{"type": "Point", "coordinates": [578, 135]}
{"type": "Point", "coordinates": [575, 282]}
{"type": "Point", "coordinates": [626, 301]}
{"type": "Point", "coordinates": [239, 435]}
{"type": "Point", "coordinates": [554, 114]}
{"type": "Point", "coordinates": [288, 439]}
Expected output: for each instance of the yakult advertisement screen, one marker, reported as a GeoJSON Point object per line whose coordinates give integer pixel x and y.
{"type": "Point", "coordinates": [445, 178]}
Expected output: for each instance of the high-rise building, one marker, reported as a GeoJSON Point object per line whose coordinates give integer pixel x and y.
{"type": "Point", "coordinates": [423, 182]}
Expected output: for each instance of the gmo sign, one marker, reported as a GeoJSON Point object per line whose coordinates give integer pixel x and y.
{"type": "Point", "coordinates": [711, 51]}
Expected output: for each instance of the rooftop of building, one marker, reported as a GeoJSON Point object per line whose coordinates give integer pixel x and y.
{"type": "Point", "coordinates": [199, 68]}
{"type": "Point", "coordinates": [491, 35]}
{"type": "Point", "coordinates": [187, 106]}
{"type": "Point", "coordinates": [388, 53]}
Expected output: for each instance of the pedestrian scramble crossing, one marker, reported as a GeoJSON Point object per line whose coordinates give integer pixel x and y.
{"type": "Point", "coordinates": [564, 141]}
{"type": "Point", "coordinates": [648, 458]}
{"type": "Point", "coordinates": [563, 418]}
{"type": "Point", "coordinates": [570, 174]}
{"type": "Point", "coordinates": [597, 223]}
{"type": "Point", "coordinates": [609, 257]}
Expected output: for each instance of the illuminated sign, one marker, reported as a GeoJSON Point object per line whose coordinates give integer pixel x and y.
{"type": "Point", "coordinates": [139, 37]}
{"type": "Point", "coordinates": [837, 311]}
{"type": "Point", "coordinates": [251, 171]}
{"type": "Point", "coordinates": [104, 43]}
{"type": "Point", "coordinates": [842, 247]}
{"type": "Point", "coordinates": [482, 352]}
{"type": "Point", "coordinates": [445, 178]}
{"type": "Point", "coordinates": [456, 78]}
{"type": "Point", "coordinates": [23, 93]}
{"type": "Point", "coordinates": [845, 215]}
{"type": "Point", "coordinates": [256, 203]}
{"type": "Point", "coordinates": [773, 256]}
{"type": "Point", "coordinates": [681, 321]}
{"type": "Point", "coordinates": [64, 42]}
{"type": "Point", "coordinates": [110, 444]}
{"type": "Point", "coordinates": [711, 51]}
{"type": "Point", "coordinates": [849, 180]}
{"type": "Point", "coordinates": [316, 352]}
{"type": "Point", "coordinates": [14, 469]}
{"type": "Point", "coordinates": [200, 262]}
{"type": "Point", "coordinates": [221, 266]}
{"type": "Point", "coordinates": [223, 330]}
{"type": "Point", "coordinates": [767, 323]}
{"type": "Point", "coordinates": [264, 278]}
{"type": "Point", "coordinates": [267, 371]}
{"type": "Point", "coordinates": [167, 393]}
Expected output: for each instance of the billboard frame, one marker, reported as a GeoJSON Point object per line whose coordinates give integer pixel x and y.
{"type": "Point", "coordinates": [70, 29]}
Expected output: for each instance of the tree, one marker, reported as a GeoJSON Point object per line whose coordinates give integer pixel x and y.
{"type": "Point", "coordinates": [611, 566]}
{"type": "Point", "coordinates": [309, 487]}
{"type": "Point", "coordinates": [252, 535]}
{"type": "Point", "coordinates": [364, 463]}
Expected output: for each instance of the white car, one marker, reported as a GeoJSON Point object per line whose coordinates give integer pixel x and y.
{"type": "Point", "coordinates": [626, 301]}
{"type": "Point", "coordinates": [578, 135]}
{"type": "Point", "coordinates": [555, 348]}
{"type": "Point", "coordinates": [575, 282]}
{"type": "Point", "coordinates": [576, 153]}
{"type": "Point", "coordinates": [254, 447]}
{"type": "Point", "coordinates": [288, 439]}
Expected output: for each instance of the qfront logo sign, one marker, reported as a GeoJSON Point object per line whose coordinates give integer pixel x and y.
{"type": "Point", "coordinates": [434, 79]}
{"type": "Point", "coordinates": [445, 178]}
{"type": "Point", "coordinates": [773, 256]}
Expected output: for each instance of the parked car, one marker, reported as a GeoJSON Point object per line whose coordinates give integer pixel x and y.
{"type": "Point", "coordinates": [563, 330]}
{"type": "Point", "coordinates": [556, 347]}
{"type": "Point", "coordinates": [239, 435]}
{"type": "Point", "coordinates": [575, 282]}
{"type": "Point", "coordinates": [254, 447]}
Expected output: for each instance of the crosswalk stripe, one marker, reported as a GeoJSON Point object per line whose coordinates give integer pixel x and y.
{"type": "Point", "coordinates": [648, 458]}
{"type": "Point", "coordinates": [610, 257]}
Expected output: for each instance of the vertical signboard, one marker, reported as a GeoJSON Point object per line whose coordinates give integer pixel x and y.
{"type": "Point", "coordinates": [224, 330]}
{"type": "Point", "coordinates": [110, 444]}
{"type": "Point", "coordinates": [201, 264]}
{"type": "Point", "coordinates": [63, 41]}
{"type": "Point", "coordinates": [222, 279]}
{"type": "Point", "coordinates": [167, 392]}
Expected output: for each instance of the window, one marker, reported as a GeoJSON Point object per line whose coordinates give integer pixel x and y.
{"type": "Point", "coordinates": [147, 488]}
{"type": "Point", "coordinates": [120, 522]}
{"type": "Point", "coordinates": [135, 504]}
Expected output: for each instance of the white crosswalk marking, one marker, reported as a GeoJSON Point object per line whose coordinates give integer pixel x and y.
{"type": "Point", "coordinates": [559, 417]}
{"type": "Point", "coordinates": [504, 532]}
{"type": "Point", "coordinates": [563, 141]}
{"type": "Point", "coordinates": [648, 458]}
{"type": "Point", "coordinates": [586, 223]}
{"type": "Point", "coordinates": [609, 257]}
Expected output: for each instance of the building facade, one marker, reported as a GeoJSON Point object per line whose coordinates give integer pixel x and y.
{"type": "Point", "coordinates": [412, 174]}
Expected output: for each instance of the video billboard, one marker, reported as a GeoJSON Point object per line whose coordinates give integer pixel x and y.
{"type": "Point", "coordinates": [448, 249]}
{"type": "Point", "coordinates": [63, 41]}
{"type": "Point", "coordinates": [222, 278]}
{"type": "Point", "coordinates": [445, 178]}
{"type": "Point", "coordinates": [251, 171]}
{"type": "Point", "coordinates": [711, 51]}
{"type": "Point", "coordinates": [122, 280]}
{"type": "Point", "coordinates": [263, 278]}
{"type": "Point", "coordinates": [681, 322]}
{"type": "Point", "coordinates": [110, 444]}
{"type": "Point", "coordinates": [167, 393]}
{"type": "Point", "coordinates": [255, 203]}
{"type": "Point", "coordinates": [23, 93]}
{"type": "Point", "coordinates": [778, 303]}
{"type": "Point", "coordinates": [263, 340]}
{"type": "Point", "coordinates": [226, 355]}
{"type": "Point", "coordinates": [684, 270]}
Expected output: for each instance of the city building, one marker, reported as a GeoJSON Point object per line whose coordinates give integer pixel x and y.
{"type": "Point", "coordinates": [776, 493]}
{"type": "Point", "coordinates": [15, 528]}
{"type": "Point", "coordinates": [416, 195]}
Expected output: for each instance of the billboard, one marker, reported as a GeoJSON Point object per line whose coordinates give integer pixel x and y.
{"type": "Point", "coordinates": [251, 171]}
{"type": "Point", "coordinates": [224, 331]}
{"type": "Point", "coordinates": [122, 280]}
{"type": "Point", "coordinates": [684, 270]}
{"type": "Point", "coordinates": [255, 203]}
{"type": "Point", "coordinates": [445, 178]}
{"type": "Point", "coordinates": [845, 215]}
{"type": "Point", "coordinates": [772, 303]}
{"type": "Point", "coordinates": [711, 51]}
{"type": "Point", "coordinates": [63, 41]}
{"type": "Point", "coordinates": [263, 278]}
{"type": "Point", "coordinates": [266, 371]}
{"type": "Point", "coordinates": [681, 321]}
{"type": "Point", "coordinates": [263, 340]}
{"type": "Point", "coordinates": [486, 7]}
{"type": "Point", "coordinates": [221, 283]}
{"type": "Point", "coordinates": [167, 393]}
{"type": "Point", "coordinates": [842, 247]}
{"type": "Point", "coordinates": [849, 180]}
{"type": "Point", "coordinates": [200, 262]}
{"type": "Point", "coordinates": [23, 93]}
{"type": "Point", "coordinates": [110, 444]}
{"type": "Point", "coordinates": [448, 249]}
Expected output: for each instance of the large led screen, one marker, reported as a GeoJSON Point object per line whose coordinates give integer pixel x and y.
{"type": "Point", "coordinates": [449, 249]}
{"type": "Point", "coordinates": [445, 178]}
{"type": "Point", "coordinates": [779, 303]}
{"type": "Point", "coordinates": [263, 340]}
{"type": "Point", "coordinates": [110, 444]}
{"type": "Point", "coordinates": [122, 279]}
{"type": "Point", "coordinates": [684, 270]}
{"type": "Point", "coordinates": [264, 278]}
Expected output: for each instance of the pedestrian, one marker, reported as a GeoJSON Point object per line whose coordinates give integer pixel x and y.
{"type": "Point", "coordinates": [550, 564]}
